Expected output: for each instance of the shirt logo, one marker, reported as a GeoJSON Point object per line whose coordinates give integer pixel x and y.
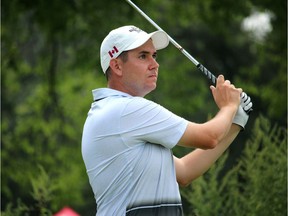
{"type": "Point", "coordinates": [112, 52]}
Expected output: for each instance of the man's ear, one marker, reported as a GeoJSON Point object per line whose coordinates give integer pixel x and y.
{"type": "Point", "coordinates": [115, 65]}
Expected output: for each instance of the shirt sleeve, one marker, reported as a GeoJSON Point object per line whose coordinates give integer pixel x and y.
{"type": "Point", "coordinates": [145, 121]}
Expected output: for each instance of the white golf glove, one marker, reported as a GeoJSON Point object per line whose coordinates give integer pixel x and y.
{"type": "Point", "coordinates": [241, 116]}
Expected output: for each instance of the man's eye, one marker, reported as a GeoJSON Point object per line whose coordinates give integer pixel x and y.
{"type": "Point", "coordinates": [143, 56]}
{"type": "Point", "coordinates": [154, 56]}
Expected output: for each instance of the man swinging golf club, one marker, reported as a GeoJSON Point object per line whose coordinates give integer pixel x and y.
{"type": "Point", "coordinates": [127, 140]}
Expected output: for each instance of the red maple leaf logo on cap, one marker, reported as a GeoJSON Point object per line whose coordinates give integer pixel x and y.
{"type": "Point", "coordinates": [112, 52]}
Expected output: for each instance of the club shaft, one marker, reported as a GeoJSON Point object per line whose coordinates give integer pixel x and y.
{"type": "Point", "coordinates": [177, 45]}
{"type": "Point", "coordinates": [159, 28]}
{"type": "Point", "coordinates": [207, 73]}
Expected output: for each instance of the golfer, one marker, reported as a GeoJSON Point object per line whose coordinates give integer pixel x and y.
{"type": "Point", "coordinates": [127, 140]}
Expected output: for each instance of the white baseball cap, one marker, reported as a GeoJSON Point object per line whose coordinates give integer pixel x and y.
{"type": "Point", "coordinates": [127, 38]}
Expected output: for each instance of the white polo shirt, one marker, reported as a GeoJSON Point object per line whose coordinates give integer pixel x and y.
{"type": "Point", "coordinates": [126, 148]}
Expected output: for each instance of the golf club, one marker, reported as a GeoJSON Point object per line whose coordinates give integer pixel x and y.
{"type": "Point", "coordinates": [208, 74]}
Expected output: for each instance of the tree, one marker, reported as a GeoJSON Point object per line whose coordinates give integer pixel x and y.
{"type": "Point", "coordinates": [255, 186]}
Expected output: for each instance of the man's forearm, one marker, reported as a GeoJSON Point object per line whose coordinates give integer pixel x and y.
{"type": "Point", "coordinates": [199, 161]}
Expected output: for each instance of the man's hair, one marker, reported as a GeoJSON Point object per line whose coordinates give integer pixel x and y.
{"type": "Point", "coordinates": [124, 57]}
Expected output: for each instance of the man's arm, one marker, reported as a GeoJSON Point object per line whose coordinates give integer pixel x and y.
{"type": "Point", "coordinates": [199, 161]}
{"type": "Point", "coordinates": [207, 135]}
{"type": "Point", "coordinates": [212, 138]}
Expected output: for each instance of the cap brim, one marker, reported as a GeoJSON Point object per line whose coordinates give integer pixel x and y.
{"type": "Point", "coordinates": [160, 39]}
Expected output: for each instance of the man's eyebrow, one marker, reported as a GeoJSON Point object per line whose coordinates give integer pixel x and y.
{"type": "Point", "coordinates": [147, 52]}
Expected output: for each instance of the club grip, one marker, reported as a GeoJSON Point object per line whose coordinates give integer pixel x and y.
{"type": "Point", "coordinates": [207, 73]}
{"type": "Point", "coordinates": [212, 77]}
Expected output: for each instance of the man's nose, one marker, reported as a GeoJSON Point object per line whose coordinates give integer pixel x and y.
{"type": "Point", "coordinates": [154, 64]}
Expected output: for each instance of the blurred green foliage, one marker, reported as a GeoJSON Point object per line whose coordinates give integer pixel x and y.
{"type": "Point", "coordinates": [256, 185]}
{"type": "Point", "coordinates": [50, 64]}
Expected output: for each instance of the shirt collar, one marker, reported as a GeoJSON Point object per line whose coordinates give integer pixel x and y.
{"type": "Point", "coordinates": [102, 93]}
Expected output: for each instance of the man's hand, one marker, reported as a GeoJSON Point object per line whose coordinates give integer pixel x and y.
{"type": "Point", "coordinates": [241, 116]}
{"type": "Point", "coordinates": [225, 94]}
